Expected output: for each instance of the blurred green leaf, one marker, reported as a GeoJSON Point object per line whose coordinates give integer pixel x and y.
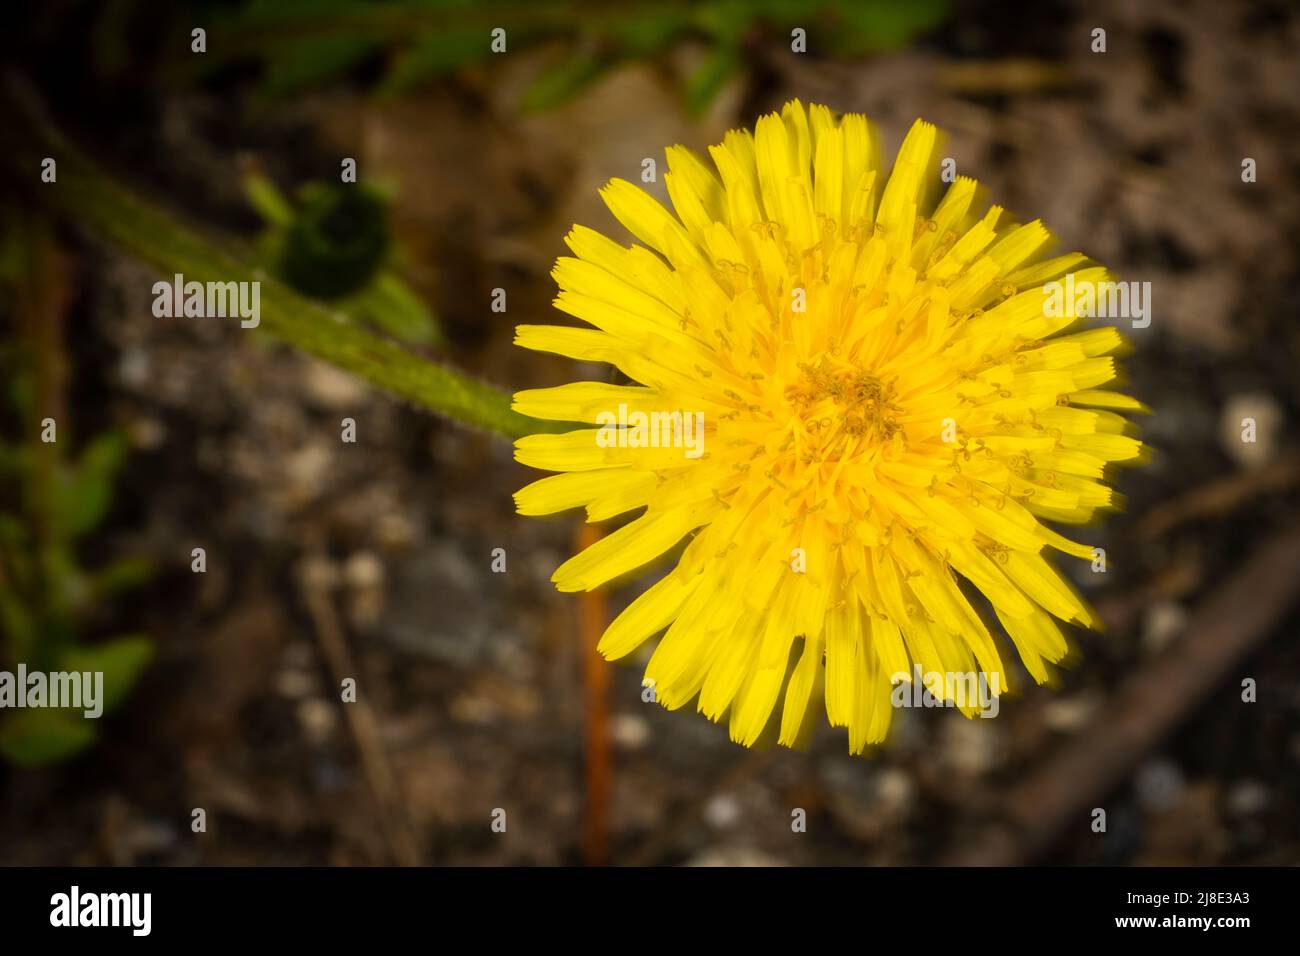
{"type": "Point", "coordinates": [433, 54]}
{"type": "Point", "coordinates": [12, 533]}
{"type": "Point", "coordinates": [33, 738]}
{"type": "Point", "coordinates": [83, 492]}
{"type": "Point", "coordinates": [13, 458]}
{"type": "Point", "coordinates": [726, 20]}
{"type": "Point", "coordinates": [299, 42]}
{"type": "Point", "coordinates": [21, 390]}
{"type": "Point", "coordinates": [561, 82]}
{"type": "Point", "coordinates": [63, 588]}
{"type": "Point", "coordinates": [315, 61]}
{"type": "Point", "coordinates": [18, 625]}
{"type": "Point", "coordinates": [884, 25]}
{"type": "Point", "coordinates": [391, 305]}
{"type": "Point", "coordinates": [122, 574]}
{"type": "Point", "coordinates": [121, 659]}
{"type": "Point", "coordinates": [709, 78]}
{"type": "Point", "coordinates": [268, 200]}
{"type": "Point", "coordinates": [643, 35]}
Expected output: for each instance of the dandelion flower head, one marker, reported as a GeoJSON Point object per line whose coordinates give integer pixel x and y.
{"type": "Point", "coordinates": [892, 420]}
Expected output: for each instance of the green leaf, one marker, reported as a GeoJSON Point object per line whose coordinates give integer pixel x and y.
{"type": "Point", "coordinates": [64, 587]}
{"type": "Point", "coordinates": [645, 35]}
{"type": "Point", "coordinates": [21, 391]}
{"type": "Point", "coordinates": [33, 738]}
{"type": "Point", "coordinates": [389, 304]}
{"type": "Point", "coordinates": [874, 26]}
{"type": "Point", "coordinates": [122, 574]}
{"type": "Point", "coordinates": [18, 625]}
{"type": "Point", "coordinates": [314, 62]}
{"type": "Point", "coordinates": [121, 659]}
{"type": "Point", "coordinates": [562, 82]}
{"type": "Point", "coordinates": [83, 493]}
{"type": "Point", "coordinates": [267, 199]}
{"type": "Point", "coordinates": [710, 77]}
{"type": "Point", "coordinates": [726, 18]}
{"type": "Point", "coordinates": [433, 54]}
{"type": "Point", "coordinates": [13, 534]}
{"type": "Point", "coordinates": [14, 458]}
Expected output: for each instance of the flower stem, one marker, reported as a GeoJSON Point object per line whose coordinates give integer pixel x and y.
{"type": "Point", "coordinates": [87, 196]}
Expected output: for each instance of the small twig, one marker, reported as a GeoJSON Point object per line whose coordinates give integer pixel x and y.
{"type": "Point", "coordinates": [393, 818]}
{"type": "Point", "coordinates": [42, 297]}
{"type": "Point", "coordinates": [1220, 497]}
{"type": "Point", "coordinates": [42, 302]}
{"type": "Point", "coordinates": [983, 77]}
{"type": "Point", "coordinates": [1155, 701]}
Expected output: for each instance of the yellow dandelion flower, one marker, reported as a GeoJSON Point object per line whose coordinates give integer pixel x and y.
{"type": "Point", "coordinates": [886, 405]}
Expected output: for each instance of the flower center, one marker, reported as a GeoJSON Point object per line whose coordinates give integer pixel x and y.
{"type": "Point", "coordinates": [841, 408]}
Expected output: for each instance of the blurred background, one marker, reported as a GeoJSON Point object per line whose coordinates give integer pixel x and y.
{"type": "Point", "coordinates": [478, 691]}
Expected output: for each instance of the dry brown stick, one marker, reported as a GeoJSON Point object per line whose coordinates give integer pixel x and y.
{"type": "Point", "coordinates": [42, 299]}
{"type": "Point", "coordinates": [593, 614]}
{"type": "Point", "coordinates": [1223, 630]}
{"type": "Point", "coordinates": [1003, 76]}
{"type": "Point", "coordinates": [394, 821]}
{"type": "Point", "coordinates": [1220, 497]}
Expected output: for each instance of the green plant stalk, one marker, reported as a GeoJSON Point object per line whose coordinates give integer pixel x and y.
{"type": "Point", "coordinates": [87, 196]}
